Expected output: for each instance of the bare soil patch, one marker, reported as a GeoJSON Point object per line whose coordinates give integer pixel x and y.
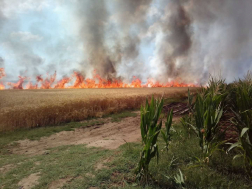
{"type": "Point", "coordinates": [109, 136]}
{"type": "Point", "coordinates": [60, 183]}
{"type": "Point", "coordinates": [101, 165]}
{"type": "Point", "coordinates": [30, 181]}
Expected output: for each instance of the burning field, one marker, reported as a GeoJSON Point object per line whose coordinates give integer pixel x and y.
{"type": "Point", "coordinates": [125, 93]}
{"type": "Point", "coordinates": [202, 127]}
{"type": "Point", "coordinates": [77, 80]}
{"type": "Point", "coordinates": [48, 101]}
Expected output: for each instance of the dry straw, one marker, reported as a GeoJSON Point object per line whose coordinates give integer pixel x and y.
{"type": "Point", "coordinates": [29, 109]}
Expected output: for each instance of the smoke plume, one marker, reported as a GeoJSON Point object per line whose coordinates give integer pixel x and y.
{"type": "Point", "coordinates": [183, 40]}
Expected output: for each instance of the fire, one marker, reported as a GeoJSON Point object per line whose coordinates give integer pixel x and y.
{"type": "Point", "coordinates": [2, 74]}
{"type": "Point", "coordinates": [19, 84]}
{"type": "Point", "coordinates": [77, 80]}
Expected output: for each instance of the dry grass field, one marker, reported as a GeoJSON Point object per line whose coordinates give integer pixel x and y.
{"type": "Point", "coordinates": [36, 108]}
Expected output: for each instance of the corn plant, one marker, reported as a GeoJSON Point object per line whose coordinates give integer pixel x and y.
{"type": "Point", "coordinates": [207, 111]}
{"type": "Point", "coordinates": [187, 120]}
{"type": "Point", "coordinates": [150, 129]}
{"type": "Point", "coordinates": [166, 135]}
{"type": "Point", "coordinates": [190, 101]}
{"type": "Point", "coordinates": [243, 120]}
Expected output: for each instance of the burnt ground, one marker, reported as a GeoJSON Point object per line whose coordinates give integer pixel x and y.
{"type": "Point", "coordinates": [228, 127]}
{"type": "Point", "coordinates": [225, 125]}
{"type": "Point", "coordinates": [179, 108]}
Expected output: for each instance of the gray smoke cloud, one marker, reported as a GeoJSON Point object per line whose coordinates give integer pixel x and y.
{"type": "Point", "coordinates": [178, 37]}
{"type": "Point", "coordinates": [184, 40]}
{"type": "Point", "coordinates": [2, 17]}
{"type": "Point", "coordinates": [98, 26]}
{"type": "Point", "coordinates": [93, 19]}
{"type": "Point", "coordinates": [197, 38]}
{"type": "Point", "coordinates": [224, 35]}
{"type": "Point", "coordinates": [130, 18]}
{"type": "Point", "coordinates": [1, 62]}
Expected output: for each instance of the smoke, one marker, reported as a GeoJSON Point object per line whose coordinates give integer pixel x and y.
{"type": "Point", "coordinates": [93, 17]}
{"type": "Point", "coordinates": [2, 17]}
{"type": "Point", "coordinates": [1, 62]}
{"type": "Point", "coordinates": [177, 37]}
{"type": "Point", "coordinates": [185, 40]}
{"type": "Point", "coordinates": [224, 35]}
{"type": "Point", "coordinates": [195, 38]}
{"type": "Point", "coordinates": [107, 35]}
{"type": "Point", "coordinates": [130, 18]}
{"type": "Point", "coordinates": [33, 42]}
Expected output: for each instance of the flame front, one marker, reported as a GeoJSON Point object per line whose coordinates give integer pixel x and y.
{"type": "Point", "coordinates": [79, 81]}
{"type": "Point", "coordinates": [2, 74]}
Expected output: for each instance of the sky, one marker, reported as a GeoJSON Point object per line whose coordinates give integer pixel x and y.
{"type": "Point", "coordinates": [161, 39]}
{"type": "Point", "coordinates": [38, 38]}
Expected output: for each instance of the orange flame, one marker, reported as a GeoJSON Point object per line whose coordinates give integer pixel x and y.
{"type": "Point", "coordinates": [2, 74]}
{"type": "Point", "coordinates": [79, 81]}
{"type": "Point", "coordinates": [19, 84]}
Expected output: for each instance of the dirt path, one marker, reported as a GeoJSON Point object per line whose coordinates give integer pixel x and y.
{"type": "Point", "coordinates": [109, 135]}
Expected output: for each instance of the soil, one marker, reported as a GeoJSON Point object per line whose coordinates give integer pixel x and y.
{"type": "Point", "coordinates": [110, 135]}
{"type": "Point", "coordinates": [59, 183]}
{"type": "Point", "coordinates": [30, 181]}
{"type": "Point", "coordinates": [179, 108]}
{"type": "Point", "coordinates": [227, 126]}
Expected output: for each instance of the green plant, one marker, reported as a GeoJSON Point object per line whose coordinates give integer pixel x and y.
{"type": "Point", "coordinates": [150, 129]}
{"type": "Point", "coordinates": [166, 135]}
{"type": "Point", "coordinates": [243, 120]}
{"type": "Point", "coordinates": [177, 180]}
{"type": "Point", "coordinates": [207, 111]}
{"type": "Point", "coordinates": [189, 100]}
{"type": "Point", "coordinates": [186, 122]}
